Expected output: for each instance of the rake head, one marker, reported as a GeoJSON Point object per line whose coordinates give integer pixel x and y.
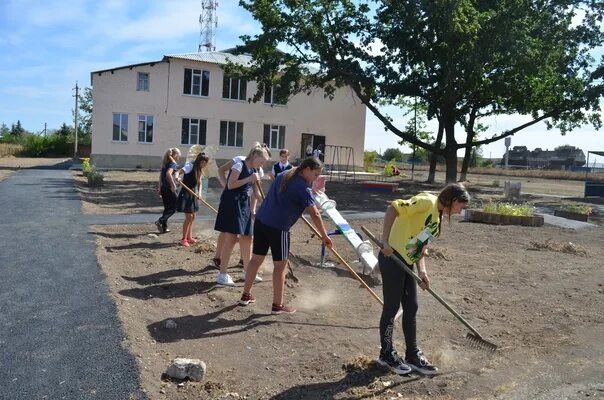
{"type": "Point", "coordinates": [479, 343]}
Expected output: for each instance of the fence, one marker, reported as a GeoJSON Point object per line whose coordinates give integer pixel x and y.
{"type": "Point", "coordinates": [9, 149]}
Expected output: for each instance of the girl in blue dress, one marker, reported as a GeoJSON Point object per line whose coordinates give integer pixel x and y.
{"type": "Point", "coordinates": [235, 211]}
{"type": "Point", "coordinates": [186, 202]}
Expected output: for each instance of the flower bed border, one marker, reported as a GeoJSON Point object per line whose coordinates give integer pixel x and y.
{"type": "Point", "coordinates": [571, 215]}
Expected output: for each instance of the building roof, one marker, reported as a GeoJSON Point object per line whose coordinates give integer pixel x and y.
{"type": "Point", "coordinates": [214, 57]}
{"type": "Point", "coordinates": [598, 153]}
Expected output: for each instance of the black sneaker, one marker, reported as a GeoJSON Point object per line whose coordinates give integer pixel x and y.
{"type": "Point", "coordinates": [418, 362]}
{"type": "Point", "coordinates": [160, 228]}
{"type": "Point", "coordinates": [394, 363]}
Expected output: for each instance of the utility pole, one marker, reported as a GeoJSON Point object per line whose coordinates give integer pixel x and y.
{"type": "Point", "coordinates": [44, 128]}
{"type": "Point", "coordinates": [75, 145]}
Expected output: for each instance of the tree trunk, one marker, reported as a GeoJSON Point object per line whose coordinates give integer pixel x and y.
{"type": "Point", "coordinates": [434, 156]}
{"type": "Point", "coordinates": [450, 146]}
{"type": "Point", "coordinates": [469, 139]}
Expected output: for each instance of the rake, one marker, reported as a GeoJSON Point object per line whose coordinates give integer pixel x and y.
{"type": "Point", "coordinates": [474, 338]}
{"type": "Point", "coordinates": [199, 197]}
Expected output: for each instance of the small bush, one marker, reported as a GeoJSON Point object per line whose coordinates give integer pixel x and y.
{"type": "Point", "coordinates": [391, 169]}
{"type": "Point", "coordinates": [86, 167]}
{"type": "Point", "coordinates": [523, 210]}
{"type": "Point", "coordinates": [95, 178]}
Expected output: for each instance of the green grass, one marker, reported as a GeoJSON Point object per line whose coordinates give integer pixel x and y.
{"type": "Point", "coordinates": [577, 208]}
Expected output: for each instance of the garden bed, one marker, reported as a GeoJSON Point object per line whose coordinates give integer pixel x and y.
{"type": "Point", "coordinates": [501, 219]}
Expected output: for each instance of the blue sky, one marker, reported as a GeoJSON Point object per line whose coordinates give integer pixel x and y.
{"type": "Point", "coordinates": [45, 47]}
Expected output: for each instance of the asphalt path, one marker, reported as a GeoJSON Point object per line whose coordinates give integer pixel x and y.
{"type": "Point", "coordinates": [60, 337]}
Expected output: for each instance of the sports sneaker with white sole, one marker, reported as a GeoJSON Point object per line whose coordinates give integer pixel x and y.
{"type": "Point", "coordinates": [394, 362]}
{"type": "Point", "coordinates": [258, 278]}
{"type": "Point", "coordinates": [419, 363]}
{"type": "Point", "coordinates": [225, 280]}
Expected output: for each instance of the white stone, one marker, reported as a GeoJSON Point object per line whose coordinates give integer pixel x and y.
{"type": "Point", "coordinates": [182, 368]}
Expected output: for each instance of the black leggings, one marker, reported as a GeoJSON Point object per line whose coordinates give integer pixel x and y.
{"type": "Point", "coordinates": [169, 199]}
{"type": "Point", "coordinates": [399, 289]}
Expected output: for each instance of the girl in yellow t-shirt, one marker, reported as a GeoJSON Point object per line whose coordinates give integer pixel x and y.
{"type": "Point", "coordinates": [409, 226]}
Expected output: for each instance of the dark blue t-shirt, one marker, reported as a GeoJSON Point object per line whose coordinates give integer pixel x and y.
{"type": "Point", "coordinates": [164, 179]}
{"type": "Point", "coordinates": [280, 210]}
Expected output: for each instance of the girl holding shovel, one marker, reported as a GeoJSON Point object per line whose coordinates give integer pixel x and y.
{"type": "Point", "coordinates": [289, 196]}
{"type": "Point", "coordinates": [409, 225]}
{"type": "Point", "coordinates": [187, 202]}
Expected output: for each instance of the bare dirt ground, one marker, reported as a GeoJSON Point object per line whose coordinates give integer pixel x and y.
{"type": "Point", "coordinates": [529, 290]}
{"type": "Point", "coordinates": [535, 292]}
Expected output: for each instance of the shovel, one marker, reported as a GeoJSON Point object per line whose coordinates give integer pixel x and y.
{"type": "Point", "coordinates": [474, 338]}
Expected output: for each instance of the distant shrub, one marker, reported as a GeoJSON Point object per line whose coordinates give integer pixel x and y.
{"type": "Point", "coordinates": [86, 167]}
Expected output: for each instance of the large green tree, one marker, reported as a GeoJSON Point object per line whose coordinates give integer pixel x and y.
{"type": "Point", "coordinates": [492, 56]}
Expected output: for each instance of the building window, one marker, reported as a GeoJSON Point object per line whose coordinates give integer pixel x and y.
{"type": "Point", "coordinates": [145, 128]}
{"type": "Point", "coordinates": [234, 88]}
{"type": "Point", "coordinates": [274, 136]}
{"type": "Point", "coordinates": [142, 82]}
{"type": "Point", "coordinates": [193, 131]}
{"type": "Point", "coordinates": [120, 127]}
{"type": "Point", "coordinates": [271, 96]}
{"type": "Point", "coordinates": [231, 134]}
{"type": "Point", "coordinates": [197, 82]}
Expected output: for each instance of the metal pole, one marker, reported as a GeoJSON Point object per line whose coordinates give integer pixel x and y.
{"type": "Point", "coordinates": [75, 145]}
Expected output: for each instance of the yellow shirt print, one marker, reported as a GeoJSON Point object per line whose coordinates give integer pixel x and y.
{"type": "Point", "coordinates": [415, 226]}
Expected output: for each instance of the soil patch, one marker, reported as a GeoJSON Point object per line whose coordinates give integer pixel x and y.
{"type": "Point", "coordinates": [542, 308]}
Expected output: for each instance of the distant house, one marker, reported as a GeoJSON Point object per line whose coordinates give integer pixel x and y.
{"type": "Point", "coordinates": [141, 110]}
{"type": "Point", "coordinates": [562, 157]}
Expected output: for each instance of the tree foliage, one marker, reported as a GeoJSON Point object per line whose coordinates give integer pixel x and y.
{"type": "Point", "coordinates": [393, 155]}
{"type": "Point", "coordinates": [460, 57]}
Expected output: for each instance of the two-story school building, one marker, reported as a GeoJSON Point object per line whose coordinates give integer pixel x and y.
{"type": "Point", "coordinates": [141, 110]}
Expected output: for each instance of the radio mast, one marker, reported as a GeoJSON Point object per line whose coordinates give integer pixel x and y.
{"type": "Point", "coordinates": [208, 22]}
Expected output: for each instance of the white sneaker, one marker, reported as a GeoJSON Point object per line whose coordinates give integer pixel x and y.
{"type": "Point", "coordinates": [225, 279]}
{"type": "Point", "coordinates": [258, 278]}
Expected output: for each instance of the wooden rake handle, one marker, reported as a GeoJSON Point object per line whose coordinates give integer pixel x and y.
{"type": "Point", "coordinates": [418, 279]}
{"type": "Point", "coordinates": [356, 276]}
{"type": "Point", "coordinates": [200, 198]}
{"type": "Point", "coordinates": [341, 259]}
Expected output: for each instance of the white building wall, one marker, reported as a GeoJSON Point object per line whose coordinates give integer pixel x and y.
{"type": "Point", "coordinates": [341, 121]}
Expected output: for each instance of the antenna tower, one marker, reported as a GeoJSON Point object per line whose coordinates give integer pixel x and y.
{"type": "Point", "coordinates": [208, 22]}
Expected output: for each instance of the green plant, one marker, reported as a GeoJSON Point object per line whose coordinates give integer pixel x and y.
{"type": "Point", "coordinates": [391, 169]}
{"type": "Point", "coordinates": [495, 183]}
{"type": "Point", "coordinates": [524, 210]}
{"type": "Point", "coordinates": [86, 167]}
{"type": "Point", "coordinates": [95, 177]}
{"type": "Point", "coordinates": [577, 208]}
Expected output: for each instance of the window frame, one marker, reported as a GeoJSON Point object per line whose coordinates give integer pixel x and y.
{"type": "Point", "coordinates": [120, 127]}
{"type": "Point", "coordinates": [148, 128]}
{"type": "Point", "coordinates": [273, 129]}
{"type": "Point", "coordinates": [204, 82]}
{"type": "Point", "coordinates": [202, 130]}
{"type": "Point", "coordinates": [228, 127]}
{"type": "Point", "coordinates": [227, 88]}
{"type": "Point", "coordinates": [139, 80]}
{"type": "Point", "coordinates": [271, 93]}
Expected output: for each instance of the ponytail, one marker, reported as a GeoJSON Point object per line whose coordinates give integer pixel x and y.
{"type": "Point", "coordinates": [309, 162]}
{"type": "Point", "coordinates": [169, 155]}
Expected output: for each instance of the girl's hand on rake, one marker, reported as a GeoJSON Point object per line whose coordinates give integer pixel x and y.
{"type": "Point", "coordinates": [387, 250]}
{"type": "Point", "coordinates": [425, 283]}
{"type": "Point", "coordinates": [327, 241]}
